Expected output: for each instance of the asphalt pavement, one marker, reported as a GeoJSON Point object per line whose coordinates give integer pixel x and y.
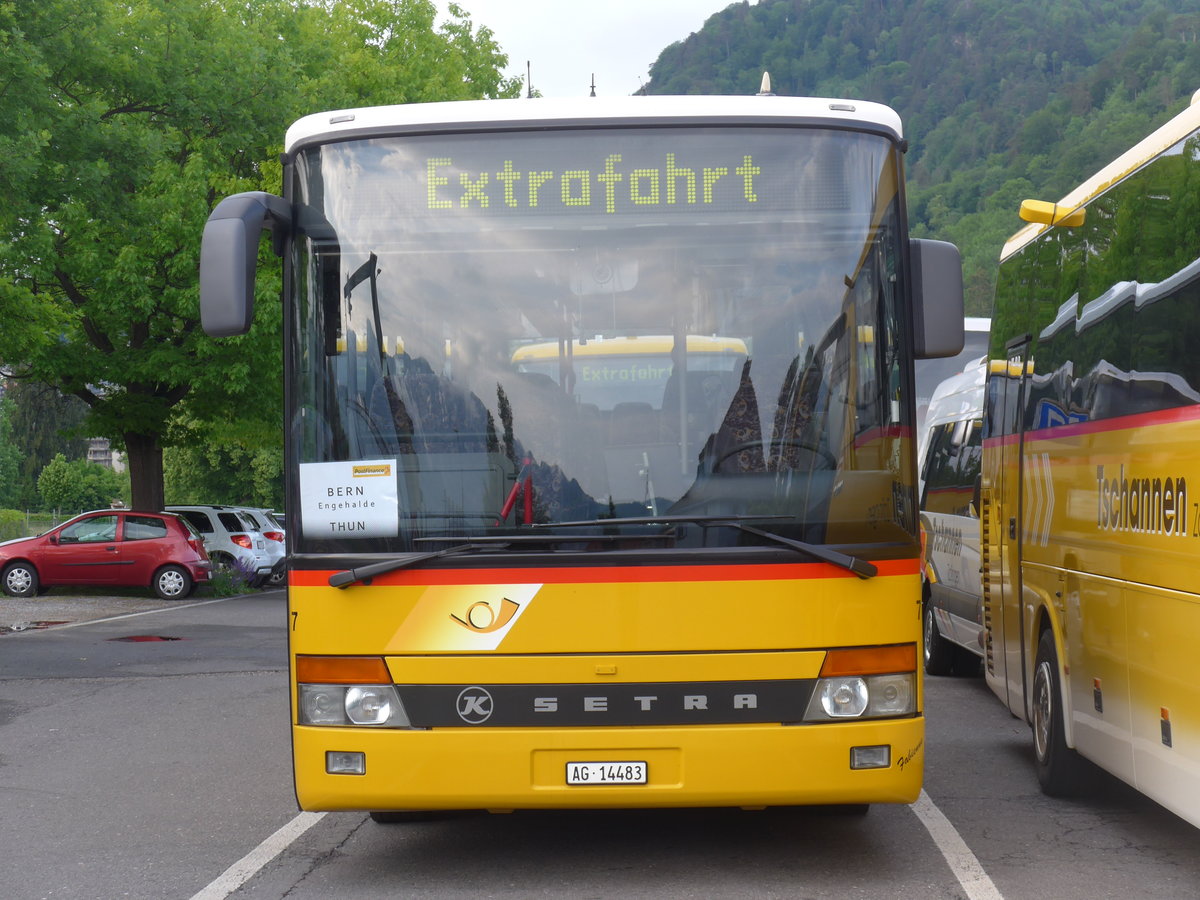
{"type": "Point", "coordinates": [62, 606]}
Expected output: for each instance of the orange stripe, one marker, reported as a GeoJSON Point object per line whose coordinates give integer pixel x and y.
{"type": "Point", "coordinates": [611, 575]}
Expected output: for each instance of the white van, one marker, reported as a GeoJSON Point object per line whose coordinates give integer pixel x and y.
{"type": "Point", "coordinates": [932, 372]}
{"type": "Point", "coordinates": [950, 453]}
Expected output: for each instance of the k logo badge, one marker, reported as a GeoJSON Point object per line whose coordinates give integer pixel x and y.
{"type": "Point", "coordinates": [474, 705]}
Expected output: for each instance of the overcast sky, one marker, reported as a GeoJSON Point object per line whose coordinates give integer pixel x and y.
{"type": "Point", "coordinates": [566, 41]}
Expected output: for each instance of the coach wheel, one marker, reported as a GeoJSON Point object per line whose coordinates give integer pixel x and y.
{"type": "Point", "coordinates": [1058, 766]}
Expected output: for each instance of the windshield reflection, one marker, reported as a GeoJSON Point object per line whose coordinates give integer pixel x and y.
{"type": "Point", "coordinates": [739, 359]}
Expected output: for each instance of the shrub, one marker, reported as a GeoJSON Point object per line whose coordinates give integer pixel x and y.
{"type": "Point", "coordinates": [229, 581]}
{"type": "Point", "coordinates": [12, 524]}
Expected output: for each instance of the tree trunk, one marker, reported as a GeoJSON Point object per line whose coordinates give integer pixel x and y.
{"type": "Point", "coordinates": [145, 471]}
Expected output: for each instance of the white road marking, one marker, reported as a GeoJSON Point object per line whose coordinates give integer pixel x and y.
{"type": "Point", "coordinates": [143, 612]}
{"type": "Point", "coordinates": [966, 868]}
{"type": "Point", "coordinates": [250, 864]}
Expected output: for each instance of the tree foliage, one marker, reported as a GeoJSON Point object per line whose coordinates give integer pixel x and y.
{"type": "Point", "coordinates": [1001, 99]}
{"type": "Point", "coordinates": [10, 458]}
{"type": "Point", "coordinates": [43, 423]}
{"type": "Point", "coordinates": [224, 468]}
{"type": "Point", "coordinates": [123, 123]}
{"type": "Point", "coordinates": [79, 485]}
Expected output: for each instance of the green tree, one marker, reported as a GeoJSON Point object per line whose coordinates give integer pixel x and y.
{"type": "Point", "coordinates": [10, 458]}
{"type": "Point", "coordinates": [55, 484]}
{"type": "Point", "coordinates": [224, 469]}
{"type": "Point", "coordinates": [80, 485]}
{"type": "Point", "coordinates": [123, 123]}
{"type": "Point", "coordinates": [44, 422]}
{"type": "Point", "coordinates": [991, 92]}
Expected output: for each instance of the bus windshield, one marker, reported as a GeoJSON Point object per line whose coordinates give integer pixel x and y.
{"type": "Point", "coordinates": [527, 328]}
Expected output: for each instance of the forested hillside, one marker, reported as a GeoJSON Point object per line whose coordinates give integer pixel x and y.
{"type": "Point", "coordinates": [1001, 99]}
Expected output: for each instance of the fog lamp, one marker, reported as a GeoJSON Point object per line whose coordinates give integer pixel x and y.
{"type": "Point", "coordinates": [879, 757]}
{"type": "Point", "coordinates": [345, 762]}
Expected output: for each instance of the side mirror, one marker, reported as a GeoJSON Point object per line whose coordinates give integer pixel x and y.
{"type": "Point", "coordinates": [229, 258]}
{"type": "Point", "coordinates": [937, 285]}
{"type": "Point", "coordinates": [53, 539]}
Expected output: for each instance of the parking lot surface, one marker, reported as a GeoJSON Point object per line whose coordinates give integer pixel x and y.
{"type": "Point", "coordinates": [63, 607]}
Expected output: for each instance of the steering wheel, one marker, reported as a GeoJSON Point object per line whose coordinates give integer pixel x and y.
{"type": "Point", "coordinates": [816, 451]}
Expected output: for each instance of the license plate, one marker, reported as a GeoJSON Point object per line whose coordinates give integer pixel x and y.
{"type": "Point", "coordinates": [606, 773]}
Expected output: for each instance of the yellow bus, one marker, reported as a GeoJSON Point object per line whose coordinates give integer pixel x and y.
{"type": "Point", "coordinates": [527, 572]}
{"type": "Point", "coordinates": [1089, 532]}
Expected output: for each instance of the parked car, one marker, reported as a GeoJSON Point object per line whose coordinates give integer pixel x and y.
{"type": "Point", "coordinates": [230, 539]}
{"type": "Point", "coordinates": [125, 548]}
{"type": "Point", "coordinates": [264, 520]}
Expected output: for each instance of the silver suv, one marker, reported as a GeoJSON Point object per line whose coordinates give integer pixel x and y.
{"type": "Point", "coordinates": [230, 539]}
{"type": "Point", "coordinates": [264, 521]}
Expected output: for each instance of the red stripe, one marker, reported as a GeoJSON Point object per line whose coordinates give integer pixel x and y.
{"type": "Point", "coordinates": [611, 575]}
{"type": "Point", "coordinates": [881, 432]}
{"type": "Point", "coordinates": [1174, 416]}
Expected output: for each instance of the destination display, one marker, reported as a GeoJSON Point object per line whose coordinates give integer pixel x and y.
{"type": "Point", "coordinates": [451, 182]}
{"type": "Point", "coordinates": [610, 186]}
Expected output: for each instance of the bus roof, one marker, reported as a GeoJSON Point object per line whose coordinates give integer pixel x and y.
{"type": "Point", "coordinates": [470, 115]}
{"type": "Point", "coordinates": [1124, 165]}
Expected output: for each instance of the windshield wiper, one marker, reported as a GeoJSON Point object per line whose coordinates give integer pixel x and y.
{"type": "Point", "coordinates": [859, 567]}
{"type": "Point", "coordinates": [365, 573]}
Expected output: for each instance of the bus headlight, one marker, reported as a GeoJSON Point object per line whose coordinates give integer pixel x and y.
{"type": "Point", "coordinates": [370, 704]}
{"type": "Point", "coordinates": [862, 697]}
{"type": "Point", "coordinates": [891, 695]}
{"type": "Point", "coordinates": [375, 705]}
{"type": "Point", "coordinates": [843, 698]}
{"type": "Point", "coordinates": [865, 683]}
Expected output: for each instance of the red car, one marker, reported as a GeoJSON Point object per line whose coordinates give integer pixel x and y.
{"type": "Point", "coordinates": [119, 547]}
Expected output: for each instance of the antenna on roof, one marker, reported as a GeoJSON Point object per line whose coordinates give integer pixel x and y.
{"type": "Point", "coordinates": [765, 89]}
{"type": "Point", "coordinates": [593, 93]}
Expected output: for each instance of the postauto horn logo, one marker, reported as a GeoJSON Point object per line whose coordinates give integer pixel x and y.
{"type": "Point", "coordinates": [482, 619]}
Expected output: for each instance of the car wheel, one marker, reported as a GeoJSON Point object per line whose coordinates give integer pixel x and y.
{"type": "Point", "coordinates": [939, 652]}
{"type": "Point", "coordinates": [1059, 768]}
{"type": "Point", "coordinates": [20, 579]}
{"type": "Point", "coordinates": [172, 583]}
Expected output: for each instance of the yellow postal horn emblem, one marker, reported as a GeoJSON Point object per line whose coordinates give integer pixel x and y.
{"type": "Point", "coordinates": [482, 619]}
